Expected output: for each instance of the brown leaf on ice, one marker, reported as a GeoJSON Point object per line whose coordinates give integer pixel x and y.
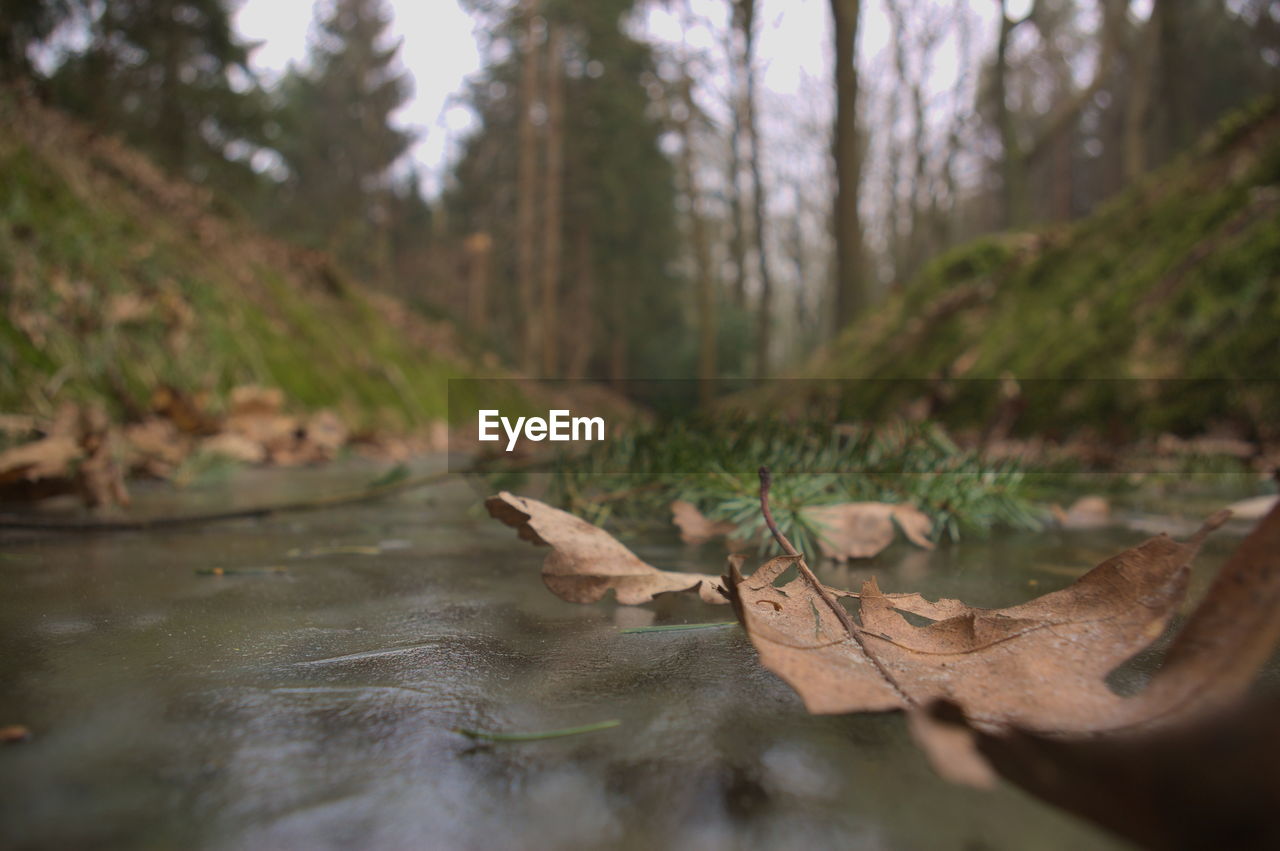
{"type": "Point", "coordinates": [1254, 507]}
{"type": "Point", "coordinates": [1040, 665]}
{"type": "Point", "coordinates": [1216, 655]}
{"type": "Point", "coordinates": [156, 446]}
{"type": "Point", "coordinates": [695, 527]}
{"type": "Point", "coordinates": [864, 529]}
{"type": "Point", "coordinates": [849, 530]}
{"type": "Point", "coordinates": [585, 561]}
{"type": "Point", "coordinates": [1087, 512]}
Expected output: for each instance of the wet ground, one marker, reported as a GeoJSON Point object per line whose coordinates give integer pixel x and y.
{"type": "Point", "coordinates": [295, 683]}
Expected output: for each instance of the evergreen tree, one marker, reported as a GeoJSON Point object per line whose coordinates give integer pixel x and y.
{"type": "Point", "coordinates": [159, 73]}
{"type": "Point", "coordinates": [338, 142]}
{"type": "Point", "coordinates": [23, 25]}
{"type": "Point", "coordinates": [620, 299]}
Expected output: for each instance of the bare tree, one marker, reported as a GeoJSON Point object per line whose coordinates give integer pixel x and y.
{"type": "Point", "coordinates": [733, 176]}
{"type": "Point", "coordinates": [1018, 158]}
{"type": "Point", "coordinates": [850, 292]}
{"type": "Point", "coordinates": [744, 16]}
{"type": "Point", "coordinates": [552, 202]}
{"type": "Point", "coordinates": [526, 184]}
{"type": "Point", "coordinates": [701, 242]}
{"type": "Point", "coordinates": [1137, 115]}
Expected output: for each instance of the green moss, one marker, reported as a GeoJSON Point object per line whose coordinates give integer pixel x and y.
{"type": "Point", "coordinates": [1179, 276]}
{"type": "Point", "coordinates": [80, 230]}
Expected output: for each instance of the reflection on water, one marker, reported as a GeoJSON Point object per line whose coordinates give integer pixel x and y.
{"type": "Point", "coordinates": [313, 707]}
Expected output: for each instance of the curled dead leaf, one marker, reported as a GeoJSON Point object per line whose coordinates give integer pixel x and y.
{"type": "Point", "coordinates": [49, 457]}
{"type": "Point", "coordinates": [864, 529]}
{"type": "Point", "coordinates": [1198, 785]}
{"type": "Point", "coordinates": [848, 530]}
{"type": "Point", "coordinates": [1040, 665]}
{"type": "Point", "coordinates": [1087, 512]}
{"type": "Point", "coordinates": [695, 527]}
{"type": "Point", "coordinates": [586, 562]}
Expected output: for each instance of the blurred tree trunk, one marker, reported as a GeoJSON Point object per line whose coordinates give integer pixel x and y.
{"type": "Point", "coordinates": [705, 278]}
{"type": "Point", "coordinates": [737, 223]}
{"type": "Point", "coordinates": [478, 248]}
{"type": "Point", "coordinates": [1137, 116]}
{"type": "Point", "coordinates": [1012, 178]}
{"type": "Point", "coordinates": [581, 340]}
{"type": "Point", "coordinates": [552, 203]}
{"type": "Point", "coordinates": [1061, 121]}
{"type": "Point", "coordinates": [745, 18]}
{"type": "Point", "coordinates": [618, 350]}
{"type": "Point", "coordinates": [908, 254]}
{"type": "Point", "coordinates": [944, 224]}
{"type": "Point", "coordinates": [850, 292]}
{"type": "Point", "coordinates": [172, 138]}
{"type": "Point", "coordinates": [1170, 58]}
{"type": "Point", "coordinates": [526, 188]}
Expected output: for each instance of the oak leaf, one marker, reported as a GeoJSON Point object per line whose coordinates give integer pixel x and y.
{"type": "Point", "coordinates": [586, 562]}
{"type": "Point", "coordinates": [864, 529]}
{"type": "Point", "coordinates": [695, 527]}
{"type": "Point", "coordinates": [1196, 785]}
{"type": "Point", "coordinates": [846, 530]}
{"type": "Point", "coordinates": [1040, 665]}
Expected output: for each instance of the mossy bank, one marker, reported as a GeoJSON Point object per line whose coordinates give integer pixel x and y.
{"type": "Point", "coordinates": [115, 280]}
{"type": "Point", "coordinates": [1176, 278]}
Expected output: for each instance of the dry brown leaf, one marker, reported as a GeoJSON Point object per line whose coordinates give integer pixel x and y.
{"type": "Point", "coordinates": [99, 477]}
{"type": "Point", "coordinates": [1216, 655]}
{"type": "Point", "coordinates": [1087, 512]}
{"type": "Point", "coordinates": [1209, 784]}
{"type": "Point", "coordinates": [156, 447]}
{"type": "Point", "coordinates": [276, 433]}
{"type": "Point", "coordinates": [695, 527]}
{"type": "Point", "coordinates": [189, 412]}
{"type": "Point", "coordinates": [1253, 508]}
{"type": "Point", "coordinates": [849, 530]}
{"type": "Point", "coordinates": [235, 447]}
{"type": "Point", "coordinates": [864, 529]}
{"type": "Point", "coordinates": [47, 458]}
{"type": "Point", "coordinates": [1039, 665]}
{"type": "Point", "coordinates": [950, 744]}
{"type": "Point", "coordinates": [252, 400]}
{"type": "Point", "coordinates": [17, 424]}
{"type": "Point", "coordinates": [585, 561]}
{"type": "Point", "coordinates": [325, 434]}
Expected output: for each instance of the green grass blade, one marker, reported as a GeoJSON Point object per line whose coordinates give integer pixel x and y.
{"type": "Point", "coordinates": [489, 736]}
{"type": "Point", "coordinates": [675, 627]}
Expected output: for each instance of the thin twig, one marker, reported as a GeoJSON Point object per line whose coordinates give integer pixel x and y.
{"type": "Point", "coordinates": [766, 481]}
{"type": "Point", "coordinates": [854, 631]}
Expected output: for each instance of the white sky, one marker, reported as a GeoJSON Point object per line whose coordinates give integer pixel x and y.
{"type": "Point", "coordinates": [440, 51]}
